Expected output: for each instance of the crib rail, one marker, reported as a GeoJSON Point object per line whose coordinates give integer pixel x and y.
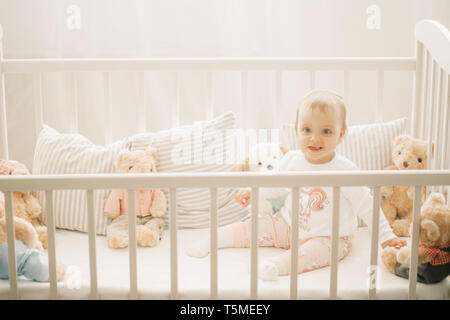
{"type": "Point", "coordinates": [336, 179]}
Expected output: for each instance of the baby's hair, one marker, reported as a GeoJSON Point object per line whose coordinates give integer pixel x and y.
{"type": "Point", "coordinates": [322, 100]}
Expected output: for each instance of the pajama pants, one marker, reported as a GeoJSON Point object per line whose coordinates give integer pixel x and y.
{"type": "Point", "coordinates": [273, 231]}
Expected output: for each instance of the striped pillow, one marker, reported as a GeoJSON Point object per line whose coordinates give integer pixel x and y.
{"type": "Point", "coordinates": [369, 146]}
{"type": "Point", "coordinates": [201, 147]}
{"type": "Point", "coordinates": [58, 153]}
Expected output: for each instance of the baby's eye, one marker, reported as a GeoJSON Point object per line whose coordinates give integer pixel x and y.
{"type": "Point", "coordinates": [327, 131]}
{"type": "Point", "coordinates": [306, 130]}
{"type": "Point", "coordinates": [419, 159]}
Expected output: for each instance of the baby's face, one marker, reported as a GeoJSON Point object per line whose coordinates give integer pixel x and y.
{"type": "Point", "coordinates": [319, 133]}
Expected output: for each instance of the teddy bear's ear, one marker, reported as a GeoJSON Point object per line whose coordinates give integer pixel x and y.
{"type": "Point", "coordinates": [151, 152]}
{"type": "Point", "coordinates": [432, 149]}
{"type": "Point", "coordinates": [401, 138]}
{"type": "Point", "coordinates": [431, 228]}
{"type": "Point", "coordinates": [121, 157]}
{"type": "Point", "coordinates": [284, 150]}
{"type": "Point", "coordinates": [244, 166]}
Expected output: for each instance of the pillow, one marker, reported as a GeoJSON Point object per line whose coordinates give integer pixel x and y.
{"type": "Point", "coordinates": [57, 153]}
{"type": "Point", "coordinates": [369, 146]}
{"type": "Point", "coordinates": [204, 146]}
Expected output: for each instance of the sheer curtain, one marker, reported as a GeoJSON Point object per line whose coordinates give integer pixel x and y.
{"type": "Point", "coordinates": [199, 28]}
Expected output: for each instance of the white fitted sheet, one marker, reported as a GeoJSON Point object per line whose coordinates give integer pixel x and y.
{"type": "Point", "coordinates": [194, 274]}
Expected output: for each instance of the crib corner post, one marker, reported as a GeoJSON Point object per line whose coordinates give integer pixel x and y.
{"type": "Point", "coordinates": [3, 124]}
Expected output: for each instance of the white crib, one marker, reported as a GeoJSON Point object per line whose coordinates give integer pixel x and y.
{"type": "Point", "coordinates": [430, 110]}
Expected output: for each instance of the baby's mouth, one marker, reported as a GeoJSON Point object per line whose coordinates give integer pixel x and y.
{"type": "Point", "coordinates": [315, 149]}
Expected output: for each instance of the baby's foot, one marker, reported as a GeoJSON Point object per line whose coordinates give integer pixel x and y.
{"type": "Point", "coordinates": [268, 270]}
{"type": "Point", "coordinates": [198, 250]}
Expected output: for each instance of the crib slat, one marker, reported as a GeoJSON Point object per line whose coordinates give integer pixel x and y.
{"type": "Point", "coordinates": [445, 145]}
{"type": "Point", "coordinates": [312, 79]}
{"type": "Point", "coordinates": [437, 124]}
{"type": "Point", "coordinates": [108, 107]}
{"type": "Point", "coordinates": [142, 114]}
{"type": "Point", "coordinates": [3, 120]}
{"type": "Point", "coordinates": [415, 243]}
{"type": "Point", "coordinates": [346, 86]}
{"type": "Point", "coordinates": [254, 244]}
{"type": "Point", "coordinates": [446, 124]}
{"type": "Point", "coordinates": [51, 243]}
{"type": "Point", "coordinates": [380, 91]}
{"type": "Point", "coordinates": [38, 102]}
{"type": "Point", "coordinates": [374, 244]}
{"type": "Point", "coordinates": [176, 107]}
{"type": "Point", "coordinates": [209, 103]}
{"type": "Point", "coordinates": [213, 245]}
{"type": "Point", "coordinates": [244, 75]}
{"type": "Point", "coordinates": [74, 107]}
{"type": "Point", "coordinates": [334, 242]}
{"type": "Point", "coordinates": [432, 113]}
{"type": "Point", "coordinates": [132, 243]}
{"type": "Point", "coordinates": [422, 113]}
{"type": "Point", "coordinates": [12, 263]}
{"type": "Point", "coordinates": [294, 244]}
{"type": "Point", "coordinates": [418, 89]}
{"type": "Point", "coordinates": [278, 95]}
{"type": "Point", "coordinates": [92, 248]}
{"type": "Point", "coordinates": [173, 244]}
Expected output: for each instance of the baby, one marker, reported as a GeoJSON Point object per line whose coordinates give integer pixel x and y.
{"type": "Point", "coordinates": [320, 126]}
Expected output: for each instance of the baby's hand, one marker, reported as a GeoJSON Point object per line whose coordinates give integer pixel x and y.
{"type": "Point", "coordinates": [395, 242]}
{"type": "Point", "coordinates": [243, 197]}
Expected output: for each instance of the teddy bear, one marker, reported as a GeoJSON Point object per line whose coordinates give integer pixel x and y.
{"type": "Point", "coordinates": [30, 261]}
{"type": "Point", "coordinates": [151, 205]}
{"type": "Point", "coordinates": [434, 244]}
{"type": "Point", "coordinates": [264, 157]}
{"type": "Point", "coordinates": [397, 201]}
{"type": "Point", "coordinates": [25, 204]}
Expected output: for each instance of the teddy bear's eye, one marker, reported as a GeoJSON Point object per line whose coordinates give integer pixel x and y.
{"type": "Point", "coordinates": [399, 152]}
{"type": "Point", "coordinates": [419, 159]}
{"type": "Point", "coordinates": [131, 167]}
{"type": "Point", "coordinates": [259, 163]}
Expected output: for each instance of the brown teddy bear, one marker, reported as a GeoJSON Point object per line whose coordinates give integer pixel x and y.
{"type": "Point", "coordinates": [29, 253]}
{"type": "Point", "coordinates": [408, 154]}
{"type": "Point", "coordinates": [151, 205]}
{"type": "Point", "coordinates": [25, 204]}
{"type": "Point", "coordinates": [434, 245]}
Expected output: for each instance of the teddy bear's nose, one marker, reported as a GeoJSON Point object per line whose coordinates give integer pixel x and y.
{"type": "Point", "coordinates": [131, 167]}
{"type": "Point", "coordinates": [270, 167]}
{"type": "Point", "coordinates": [405, 164]}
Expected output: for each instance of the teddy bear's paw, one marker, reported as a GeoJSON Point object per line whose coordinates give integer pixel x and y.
{"type": "Point", "coordinates": [60, 271]}
{"type": "Point", "coordinates": [147, 237]}
{"type": "Point", "coordinates": [43, 237]}
{"type": "Point", "coordinates": [118, 241]}
{"type": "Point", "coordinates": [198, 250]}
{"type": "Point", "coordinates": [389, 258]}
{"type": "Point", "coordinates": [268, 271]}
{"type": "Point", "coordinates": [403, 256]}
{"type": "Point", "coordinates": [401, 227]}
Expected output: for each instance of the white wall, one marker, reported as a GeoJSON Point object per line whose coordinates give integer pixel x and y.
{"type": "Point", "coordinates": [172, 28]}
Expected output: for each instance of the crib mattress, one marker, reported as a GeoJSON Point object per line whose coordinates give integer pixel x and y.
{"type": "Point", "coordinates": [194, 274]}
